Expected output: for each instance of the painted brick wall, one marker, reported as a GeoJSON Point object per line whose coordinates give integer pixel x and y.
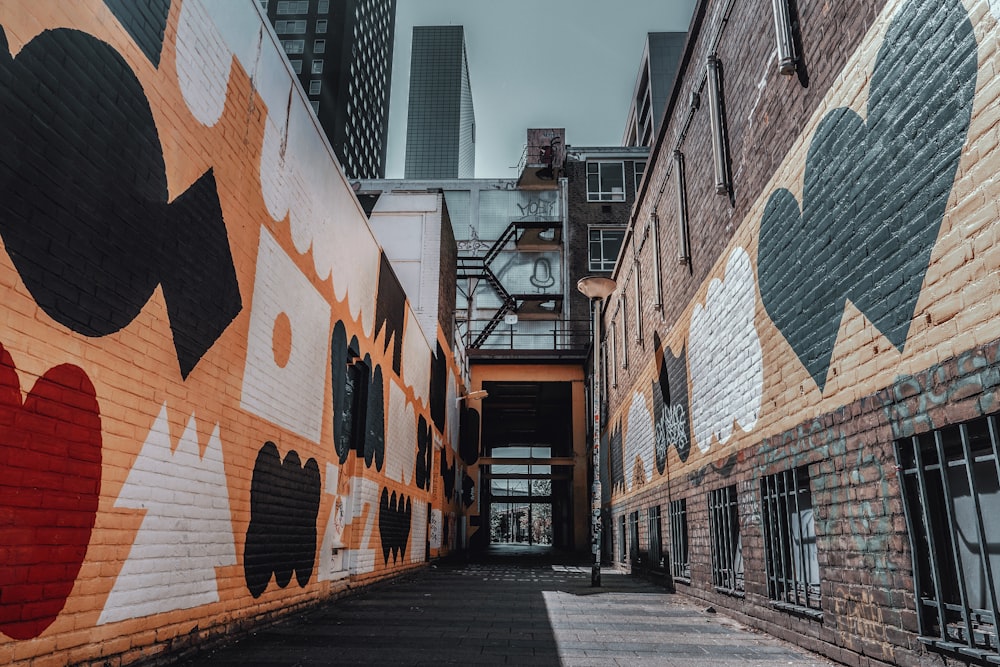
{"type": "Point", "coordinates": [840, 296]}
{"type": "Point", "coordinates": [188, 286]}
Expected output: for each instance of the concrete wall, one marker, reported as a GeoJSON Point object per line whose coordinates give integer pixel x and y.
{"type": "Point", "coordinates": [840, 295]}
{"type": "Point", "coordinates": [186, 278]}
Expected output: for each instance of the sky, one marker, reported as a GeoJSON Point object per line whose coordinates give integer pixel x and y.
{"type": "Point", "coordinates": [536, 63]}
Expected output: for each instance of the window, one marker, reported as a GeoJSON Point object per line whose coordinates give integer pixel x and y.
{"type": "Point", "coordinates": [293, 46]}
{"type": "Point", "coordinates": [293, 7]}
{"type": "Point", "coordinates": [655, 528]}
{"type": "Point", "coordinates": [323, 7]}
{"type": "Point", "coordinates": [638, 169]}
{"type": "Point", "coordinates": [611, 350]}
{"type": "Point", "coordinates": [622, 544]}
{"type": "Point", "coordinates": [319, 46]}
{"type": "Point", "coordinates": [727, 550]}
{"type": "Point", "coordinates": [317, 66]}
{"type": "Point", "coordinates": [950, 480]}
{"type": "Point", "coordinates": [605, 181]}
{"type": "Point", "coordinates": [680, 567]}
{"type": "Point", "coordinates": [790, 540]}
{"type": "Point", "coordinates": [315, 105]}
{"type": "Point", "coordinates": [604, 246]}
{"type": "Point", "coordinates": [290, 27]}
{"type": "Point", "coordinates": [633, 536]}
{"type": "Point", "coordinates": [296, 65]}
{"type": "Point", "coordinates": [623, 305]}
{"type": "Point", "coordinates": [321, 26]}
{"type": "Point", "coordinates": [263, 4]}
{"type": "Point", "coordinates": [352, 434]}
{"type": "Point", "coordinates": [315, 86]}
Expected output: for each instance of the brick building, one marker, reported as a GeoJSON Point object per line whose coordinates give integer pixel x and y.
{"type": "Point", "coordinates": [802, 352]}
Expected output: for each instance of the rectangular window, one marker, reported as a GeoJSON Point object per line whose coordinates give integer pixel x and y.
{"type": "Point", "coordinates": [315, 86]}
{"type": "Point", "coordinates": [321, 25]}
{"type": "Point", "coordinates": [323, 7]}
{"type": "Point", "coordinates": [655, 529]}
{"type": "Point", "coordinates": [317, 66]}
{"type": "Point", "coordinates": [296, 65]}
{"type": "Point", "coordinates": [293, 7]}
{"type": "Point", "coordinates": [263, 4]}
{"type": "Point", "coordinates": [790, 541]}
{"type": "Point", "coordinates": [315, 105]}
{"type": "Point", "coordinates": [622, 543]}
{"type": "Point", "coordinates": [293, 46]}
{"type": "Point", "coordinates": [680, 567]}
{"type": "Point", "coordinates": [605, 181]}
{"type": "Point", "coordinates": [950, 480]}
{"type": "Point", "coordinates": [633, 537]}
{"type": "Point", "coordinates": [638, 169]}
{"type": "Point", "coordinates": [290, 27]}
{"type": "Point", "coordinates": [604, 246]}
{"type": "Point", "coordinates": [727, 549]}
{"type": "Point", "coordinates": [319, 46]}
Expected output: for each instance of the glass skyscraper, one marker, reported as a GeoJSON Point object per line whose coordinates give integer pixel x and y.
{"type": "Point", "coordinates": [441, 122]}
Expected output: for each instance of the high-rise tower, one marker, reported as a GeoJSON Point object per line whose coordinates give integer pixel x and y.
{"type": "Point", "coordinates": [342, 53]}
{"type": "Point", "coordinates": [441, 122]}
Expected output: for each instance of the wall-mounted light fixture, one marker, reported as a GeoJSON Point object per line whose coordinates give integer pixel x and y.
{"type": "Point", "coordinates": [683, 239]}
{"type": "Point", "coordinates": [714, 79]}
{"type": "Point", "coordinates": [783, 35]}
{"type": "Point", "coordinates": [472, 396]}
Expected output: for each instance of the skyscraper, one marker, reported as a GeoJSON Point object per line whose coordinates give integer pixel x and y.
{"type": "Point", "coordinates": [441, 123]}
{"type": "Point", "coordinates": [342, 53]}
{"type": "Point", "coordinates": [660, 58]}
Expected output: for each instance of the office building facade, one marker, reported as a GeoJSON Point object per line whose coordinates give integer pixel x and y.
{"type": "Point", "coordinates": [341, 51]}
{"type": "Point", "coordinates": [660, 57]}
{"type": "Point", "coordinates": [441, 121]}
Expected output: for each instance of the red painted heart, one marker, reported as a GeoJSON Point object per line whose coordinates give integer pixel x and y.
{"type": "Point", "coordinates": [50, 482]}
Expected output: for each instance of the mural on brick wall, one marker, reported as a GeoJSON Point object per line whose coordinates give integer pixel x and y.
{"type": "Point", "coordinates": [639, 443]}
{"type": "Point", "coordinates": [394, 514]}
{"type": "Point", "coordinates": [50, 446]}
{"type": "Point", "coordinates": [727, 373]}
{"type": "Point", "coordinates": [670, 404]}
{"type": "Point", "coordinates": [873, 249]}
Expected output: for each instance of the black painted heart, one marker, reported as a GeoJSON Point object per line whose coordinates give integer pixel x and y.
{"type": "Point", "coordinates": [875, 190]}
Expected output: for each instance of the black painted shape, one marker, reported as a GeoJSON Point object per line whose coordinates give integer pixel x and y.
{"type": "Point", "coordinates": [394, 514]}
{"type": "Point", "coordinates": [468, 489]}
{"type": "Point", "coordinates": [617, 458]}
{"type": "Point", "coordinates": [281, 537]}
{"type": "Point", "coordinates": [874, 192]}
{"type": "Point", "coordinates": [339, 356]}
{"type": "Point", "coordinates": [145, 20]}
{"type": "Point", "coordinates": [84, 214]}
{"type": "Point", "coordinates": [448, 476]}
{"type": "Point", "coordinates": [390, 310]}
{"type": "Point", "coordinates": [468, 443]}
{"type": "Point", "coordinates": [439, 387]}
{"type": "Point", "coordinates": [425, 454]}
{"type": "Point", "coordinates": [670, 405]}
{"type": "Point", "coordinates": [375, 419]}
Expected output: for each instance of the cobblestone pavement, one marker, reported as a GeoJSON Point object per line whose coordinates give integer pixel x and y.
{"type": "Point", "coordinates": [511, 614]}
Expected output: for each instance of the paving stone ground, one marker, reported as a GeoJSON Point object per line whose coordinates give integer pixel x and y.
{"type": "Point", "coordinates": [518, 612]}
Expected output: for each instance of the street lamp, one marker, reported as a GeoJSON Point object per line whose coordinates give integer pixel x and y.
{"type": "Point", "coordinates": [596, 289]}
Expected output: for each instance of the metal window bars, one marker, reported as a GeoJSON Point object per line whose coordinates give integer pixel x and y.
{"type": "Point", "coordinates": [680, 566]}
{"type": "Point", "coordinates": [655, 531]}
{"type": "Point", "coordinates": [950, 482]}
{"type": "Point", "coordinates": [791, 559]}
{"type": "Point", "coordinates": [727, 549]}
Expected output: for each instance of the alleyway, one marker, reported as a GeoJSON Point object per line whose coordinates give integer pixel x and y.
{"type": "Point", "coordinates": [511, 611]}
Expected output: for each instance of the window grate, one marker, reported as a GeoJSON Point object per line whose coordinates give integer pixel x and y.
{"type": "Point", "coordinates": [727, 549]}
{"type": "Point", "coordinates": [950, 480]}
{"type": "Point", "coordinates": [655, 530]}
{"type": "Point", "coordinates": [680, 567]}
{"type": "Point", "coordinates": [790, 552]}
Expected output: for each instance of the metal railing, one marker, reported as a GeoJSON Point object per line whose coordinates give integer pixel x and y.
{"type": "Point", "coordinates": [549, 335]}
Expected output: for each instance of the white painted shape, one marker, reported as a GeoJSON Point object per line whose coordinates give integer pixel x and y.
{"type": "Point", "coordinates": [331, 566]}
{"type": "Point", "coordinates": [418, 531]}
{"type": "Point", "coordinates": [408, 274]}
{"type": "Point", "coordinates": [400, 235]}
{"type": "Point", "coordinates": [364, 494]}
{"type": "Point", "coordinates": [405, 202]}
{"type": "Point", "coordinates": [401, 440]}
{"type": "Point", "coordinates": [724, 353]}
{"type": "Point", "coordinates": [291, 397]}
{"type": "Point", "coordinates": [452, 412]}
{"type": "Point", "coordinates": [186, 533]}
{"type": "Point", "coordinates": [995, 9]}
{"type": "Point", "coordinates": [416, 370]}
{"type": "Point", "coordinates": [639, 439]}
{"type": "Point", "coordinates": [203, 63]}
{"type": "Point", "coordinates": [437, 524]}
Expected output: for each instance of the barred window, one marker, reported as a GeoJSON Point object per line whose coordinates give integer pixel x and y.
{"type": "Point", "coordinates": [680, 567]}
{"type": "Point", "coordinates": [950, 480]}
{"type": "Point", "coordinates": [727, 549]}
{"type": "Point", "coordinates": [622, 543]}
{"type": "Point", "coordinates": [655, 529]}
{"type": "Point", "coordinates": [633, 536]}
{"type": "Point", "coordinates": [790, 541]}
